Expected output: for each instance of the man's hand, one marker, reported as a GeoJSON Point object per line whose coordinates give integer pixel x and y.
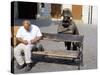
{"type": "Point", "coordinates": [33, 41]}
{"type": "Point", "coordinates": [25, 42]}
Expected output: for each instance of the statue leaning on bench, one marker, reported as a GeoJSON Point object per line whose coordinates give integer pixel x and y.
{"type": "Point", "coordinates": [28, 35]}
{"type": "Point", "coordinates": [67, 26]}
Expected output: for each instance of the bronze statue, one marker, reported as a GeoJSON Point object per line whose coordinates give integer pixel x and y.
{"type": "Point", "coordinates": [68, 27]}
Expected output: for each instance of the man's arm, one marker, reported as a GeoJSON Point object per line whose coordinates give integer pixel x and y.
{"type": "Point", "coordinates": [61, 29]}
{"type": "Point", "coordinates": [20, 40]}
{"type": "Point", "coordinates": [76, 32]}
{"type": "Point", "coordinates": [38, 36]}
{"type": "Point", "coordinates": [35, 40]}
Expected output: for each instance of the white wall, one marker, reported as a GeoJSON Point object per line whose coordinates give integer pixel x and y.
{"type": "Point", "coordinates": [95, 15]}
{"type": "Point", "coordinates": [85, 13]}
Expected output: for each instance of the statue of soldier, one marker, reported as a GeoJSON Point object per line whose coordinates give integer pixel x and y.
{"type": "Point", "coordinates": [68, 26]}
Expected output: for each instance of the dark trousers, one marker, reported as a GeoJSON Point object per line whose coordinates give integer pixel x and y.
{"type": "Point", "coordinates": [68, 45]}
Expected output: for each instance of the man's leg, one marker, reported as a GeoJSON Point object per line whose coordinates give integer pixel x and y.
{"type": "Point", "coordinates": [17, 54]}
{"type": "Point", "coordinates": [75, 46]}
{"type": "Point", "coordinates": [27, 51]}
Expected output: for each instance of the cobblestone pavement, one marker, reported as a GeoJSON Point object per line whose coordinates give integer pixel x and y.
{"type": "Point", "coordinates": [89, 52]}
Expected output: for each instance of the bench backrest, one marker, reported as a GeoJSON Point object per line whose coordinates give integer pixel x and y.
{"type": "Point", "coordinates": [56, 37]}
{"type": "Point", "coordinates": [63, 37]}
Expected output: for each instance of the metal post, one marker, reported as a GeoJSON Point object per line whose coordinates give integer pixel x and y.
{"type": "Point", "coordinates": [90, 14]}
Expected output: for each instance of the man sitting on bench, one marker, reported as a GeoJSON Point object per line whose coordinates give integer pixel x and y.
{"type": "Point", "coordinates": [28, 35]}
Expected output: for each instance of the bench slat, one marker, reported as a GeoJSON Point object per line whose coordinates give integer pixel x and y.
{"type": "Point", "coordinates": [65, 54]}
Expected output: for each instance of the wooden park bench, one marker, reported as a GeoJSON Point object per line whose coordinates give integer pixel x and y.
{"type": "Point", "coordinates": [67, 54]}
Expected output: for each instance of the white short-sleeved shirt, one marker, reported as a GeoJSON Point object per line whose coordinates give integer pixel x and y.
{"type": "Point", "coordinates": [28, 35]}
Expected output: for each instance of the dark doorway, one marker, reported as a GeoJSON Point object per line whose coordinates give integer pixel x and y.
{"type": "Point", "coordinates": [27, 10]}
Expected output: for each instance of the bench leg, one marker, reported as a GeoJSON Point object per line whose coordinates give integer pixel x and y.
{"type": "Point", "coordinates": [79, 63]}
{"type": "Point", "coordinates": [81, 60]}
{"type": "Point", "coordinates": [78, 67]}
{"type": "Point", "coordinates": [12, 65]}
{"type": "Point", "coordinates": [78, 60]}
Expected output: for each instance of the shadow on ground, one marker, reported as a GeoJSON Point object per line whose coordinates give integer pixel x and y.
{"type": "Point", "coordinates": [37, 59]}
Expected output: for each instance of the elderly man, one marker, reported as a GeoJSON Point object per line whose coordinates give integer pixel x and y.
{"type": "Point", "coordinates": [28, 35]}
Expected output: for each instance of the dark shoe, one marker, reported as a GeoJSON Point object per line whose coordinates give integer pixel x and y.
{"type": "Point", "coordinates": [28, 67]}
{"type": "Point", "coordinates": [74, 47]}
{"type": "Point", "coordinates": [20, 66]}
{"type": "Point", "coordinates": [68, 48]}
{"type": "Point", "coordinates": [40, 48]}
